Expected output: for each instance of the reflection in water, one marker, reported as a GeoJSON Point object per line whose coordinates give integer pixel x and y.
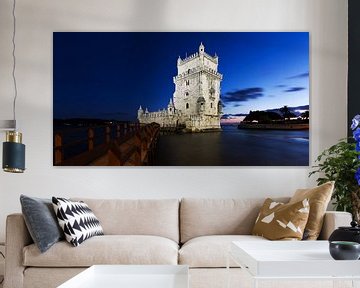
{"type": "Point", "coordinates": [235, 147]}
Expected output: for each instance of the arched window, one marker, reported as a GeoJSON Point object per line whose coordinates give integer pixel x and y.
{"type": "Point", "coordinates": [186, 93]}
{"type": "Point", "coordinates": [211, 105]}
{"type": "Point", "coordinates": [189, 71]}
{"type": "Point", "coordinates": [187, 82]}
{"type": "Point", "coordinates": [220, 107]}
{"type": "Point", "coordinates": [187, 105]}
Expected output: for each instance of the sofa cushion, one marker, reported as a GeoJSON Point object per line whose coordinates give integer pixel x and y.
{"type": "Point", "coordinates": [319, 198]}
{"type": "Point", "coordinates": [41, 221]}
{"type": "Point", "coordinates": [77, 220]}
{"type": "Point", "coordinates": [279, 221]}
{"type": "Point", "coordinates": [159, 217]}
{"type": "Point", "coordinates": [107, 249]}
{"type": "Point", "coordinates": [211, 251]}
{"type": "Point", "coordinates": [200, 217]}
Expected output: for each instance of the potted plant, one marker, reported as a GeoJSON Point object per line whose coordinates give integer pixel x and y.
{"type": "Point", "coordinates": [341, 163]}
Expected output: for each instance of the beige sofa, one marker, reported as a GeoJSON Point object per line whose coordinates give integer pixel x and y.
{"type": "Point", "coordinates": [194, 232]}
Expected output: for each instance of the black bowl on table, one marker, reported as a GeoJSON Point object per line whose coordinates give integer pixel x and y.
{"type": "Point", "coordinates": [344, 250]}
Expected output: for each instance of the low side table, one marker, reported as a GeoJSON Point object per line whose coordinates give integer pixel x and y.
{"type": "Point", "coordinates": [293, 260]}
{"type": "Point", "coordinates": [131, 276]}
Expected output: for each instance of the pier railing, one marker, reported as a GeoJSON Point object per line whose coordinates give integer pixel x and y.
{"type": "Point", "coordinates": [112, 145]}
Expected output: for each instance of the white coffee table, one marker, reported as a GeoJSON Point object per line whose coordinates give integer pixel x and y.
{"type": "Point", "coordinates": [297, 260]}
{"type": "Point", "coordinates": [131, 276]}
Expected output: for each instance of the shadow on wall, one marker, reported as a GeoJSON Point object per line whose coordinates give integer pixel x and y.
{"type": "Point", "coordinates": [151, 12]}
{"type": "Point", "coordinates": [93, 16]}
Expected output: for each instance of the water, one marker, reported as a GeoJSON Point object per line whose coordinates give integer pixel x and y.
{"type": "Point", "coordinates": [235, 147]}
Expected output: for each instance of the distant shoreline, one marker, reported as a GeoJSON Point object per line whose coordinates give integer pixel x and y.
{"type": "Point", "coordinates": [275, 126]}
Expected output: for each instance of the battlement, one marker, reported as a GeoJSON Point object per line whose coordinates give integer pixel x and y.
{"type": "Point", "coordinates": [160, 113]}
{"type": "Point", "coordinates": [197, 70]}
{"type": "Point", "coordinates": [187, 59]}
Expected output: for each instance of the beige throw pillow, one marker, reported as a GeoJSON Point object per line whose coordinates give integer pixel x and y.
{"type": "Point", "coordinates": [319, 198]}
{"type": "Point", "coordinates": [279, 221]}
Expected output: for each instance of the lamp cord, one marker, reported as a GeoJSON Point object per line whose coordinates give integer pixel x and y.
{"type": "Point", "coordinates": [14, 61]}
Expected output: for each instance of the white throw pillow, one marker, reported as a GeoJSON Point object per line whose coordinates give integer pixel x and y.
{"type": "Point", "coordinates": [77, 220]}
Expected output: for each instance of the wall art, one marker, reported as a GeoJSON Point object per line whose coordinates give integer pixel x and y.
{"type": "Point", "coordinates": [181, 99]}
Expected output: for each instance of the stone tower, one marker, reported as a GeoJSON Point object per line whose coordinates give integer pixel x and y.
{"type": "Point", "coordinates": [197, 85]}
{"type": "Point", "coordinates": [196, 101]}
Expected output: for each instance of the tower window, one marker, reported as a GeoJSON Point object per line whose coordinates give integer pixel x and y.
{"type": "Point", "coordinates": [211, 105]}
{"type": "Point", "coordinates": [189, 71]}
{"type": "Point", "coordinates": [186, 93]}
{"type": "Point", "coordinates": [187, 82]}
{"type": "Point", "coordinates": [187, 105]}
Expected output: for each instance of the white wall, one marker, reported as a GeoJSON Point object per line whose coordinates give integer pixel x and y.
{"type": "Point", "coordinates": [326, 20]}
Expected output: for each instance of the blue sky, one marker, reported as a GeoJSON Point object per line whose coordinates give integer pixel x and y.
{"type": "Point", "coordinates": [108, 75]}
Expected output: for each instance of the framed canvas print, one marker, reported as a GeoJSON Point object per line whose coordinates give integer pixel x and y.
{"type": "Point", "coordinates": [181, 99]}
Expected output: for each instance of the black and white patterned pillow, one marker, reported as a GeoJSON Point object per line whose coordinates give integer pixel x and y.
{"type": "Point", "coordinates": [77, 220]}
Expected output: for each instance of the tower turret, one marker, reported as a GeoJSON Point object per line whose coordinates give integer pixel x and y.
{"type": "Point", "coordinates": [171, 107]}
{"type": "Point", "coordinates": [216, 58]}
{"type": "Point", "coordinates": [140, 112]}
{"type": "Point", "coordinates": [201, 48]}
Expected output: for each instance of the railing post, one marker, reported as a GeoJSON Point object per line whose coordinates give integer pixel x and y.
{"type": "Point", "coordinates": [59, 156]}
{"type": "Point", "coordinates": [137, 151]}
{"type": "Point", "coordinates": [90, 139]}
{"type": "Point", "coordinates": [118, 132]}
{"type": "Point", "coordinates": [107, 134]}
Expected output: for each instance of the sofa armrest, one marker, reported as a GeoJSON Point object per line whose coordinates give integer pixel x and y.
{"type": "Point", "coordinates": [333, 220]}
{"type": "Point", "coordinates": [17, 237]}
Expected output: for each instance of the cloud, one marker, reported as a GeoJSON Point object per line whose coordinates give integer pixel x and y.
{"type": "Point", "coordinates": [303, 107]}
{"type": "Point", "coordinates": [302, 75]}
{"type": "Point", "coordinates": [280, 86]}
{"type": "Point", "coordinates": [239, 114]}
{"type": "Point", "coordinates": [226, 116]}
{"type": "Point", "coordinates": [231, 116]}
{"type": "Point", "coordinates": [294, 89]}
{"type": "Point", "coordinates": [242, 95]}
{"type": "Point", "coordinates": [296, 110]}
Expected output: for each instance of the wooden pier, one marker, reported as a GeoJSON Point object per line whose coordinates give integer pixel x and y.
{"type": "Point", "coordinates": [130, 144]}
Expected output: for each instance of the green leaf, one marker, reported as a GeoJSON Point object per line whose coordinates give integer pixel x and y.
{"type": "Point", "coordinates": [339, 163]}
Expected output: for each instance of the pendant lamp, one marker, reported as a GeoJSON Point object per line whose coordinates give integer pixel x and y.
{"type": "Point", "coordinates": [13, 159]}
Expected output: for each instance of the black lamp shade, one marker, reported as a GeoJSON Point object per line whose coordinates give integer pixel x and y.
{"type": "Point", "coordinates": [13, 157]}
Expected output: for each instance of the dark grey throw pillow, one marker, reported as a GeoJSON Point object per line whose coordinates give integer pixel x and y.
{"type": "Point", "coordinates": [41, 221]}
